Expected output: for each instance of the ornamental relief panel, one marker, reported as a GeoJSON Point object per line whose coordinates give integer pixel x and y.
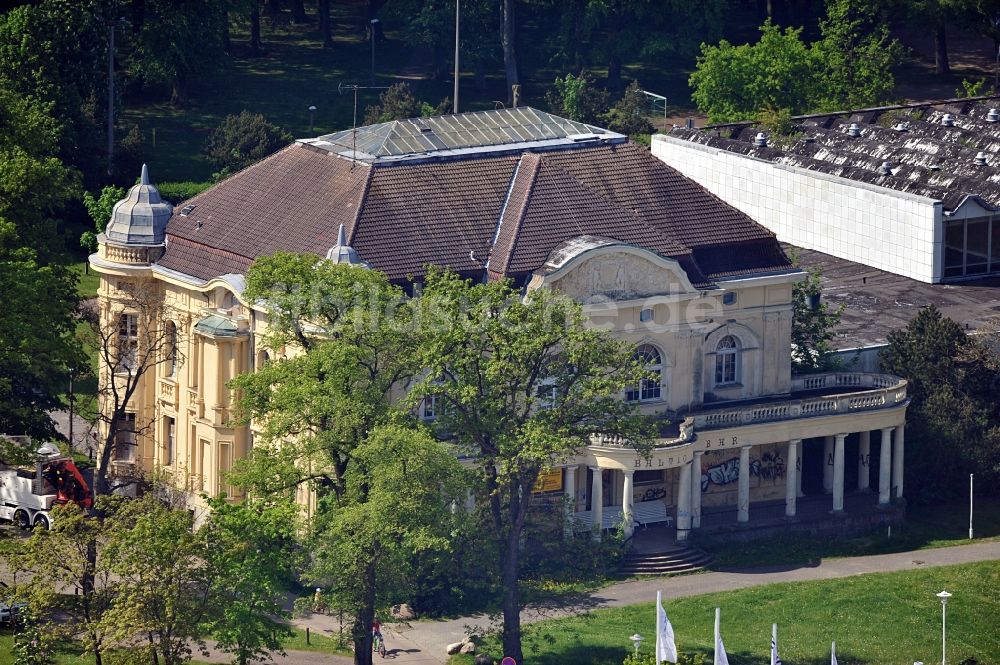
{"type": "Point", "coordinates": [619, 276]}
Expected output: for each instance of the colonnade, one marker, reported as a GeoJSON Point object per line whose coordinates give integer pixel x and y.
{"type": "Point", "coordinates": [689, 492]}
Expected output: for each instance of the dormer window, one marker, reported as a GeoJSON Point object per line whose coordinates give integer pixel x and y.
{"type": "Point", "coordinates": [727, 361]}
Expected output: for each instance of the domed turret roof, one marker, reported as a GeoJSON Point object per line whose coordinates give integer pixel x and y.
{"type": "Point", "coordinates": [141, 217]}
{"type": "Point", "coordinates": [344, 253]}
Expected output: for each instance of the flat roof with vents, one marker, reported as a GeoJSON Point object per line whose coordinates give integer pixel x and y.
{"type": "Point", "coordinates": [464, 133]}
{"type": "Point", "coordinates": [947, 150]}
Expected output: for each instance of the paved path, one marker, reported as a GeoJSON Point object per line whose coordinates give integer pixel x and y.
{"type": "Point", "coordinates": [424, 642]}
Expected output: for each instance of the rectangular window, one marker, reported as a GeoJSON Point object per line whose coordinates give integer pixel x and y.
{"type": "Point", "coordinates": [954, 249]}
{"type": "Point", "coordinates": [647, 477]}
{"type": "Point", "coordinates": [225, 464]}
{"type": "Point", "coordinates": [995, 245]}
{"type": "Point", "coordinates": [169, 440]}
{"type": "Point", "coordinates": [128, 342]}
{"type": "Point", "coordinates": [725, 368]}
{"type": "Point", "coordinates": [977, 246]}
{"type": "Point", "coordinates": [428, 408]}
{"type": "Point", "coordinates": [646, 315]}
{"type": "Point", "coordinates": [125, 440]}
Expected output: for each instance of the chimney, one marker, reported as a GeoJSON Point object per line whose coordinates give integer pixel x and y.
{"type": "Point", "coordinates": [854, 130]}
{"type": "Point", "coordinates": [515, 95]}
{"type": "Point", "coordinates": [980, 159]}
{"type": "Point", "coordinates": [948, 120]}
{"type": "Point", "coordinates": [993, 116]}
{"type": "Point", "coordinates": [760, 140]}
{"type": "Point", "coordinates": [885, 169]}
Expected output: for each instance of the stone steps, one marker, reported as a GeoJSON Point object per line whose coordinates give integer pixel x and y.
{"type": "Point", "coordinates": [672, 561]}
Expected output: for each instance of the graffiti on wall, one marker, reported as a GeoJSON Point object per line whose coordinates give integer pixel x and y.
{"type": "Point", "coordinates": [769, 466]}
{"type": "Point", "coordinates": [652, 494]}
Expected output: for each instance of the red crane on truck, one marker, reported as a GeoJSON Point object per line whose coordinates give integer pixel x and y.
{"type": "Point", "coordinates": [27, 495]}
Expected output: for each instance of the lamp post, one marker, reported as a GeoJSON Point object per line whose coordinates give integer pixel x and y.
{"type": "Point", "coordinates": [374, 24]}
{"type": "Point", "coordinates": [312, 116]}
{"type": "Point", "coordinates": [970, 506]}
{"type": "Point", "coordinates": [944, 596]}
{"type": "Point", "coordinates": [636, 641]}
{"type": "Point", "coordinates": [455, 102]}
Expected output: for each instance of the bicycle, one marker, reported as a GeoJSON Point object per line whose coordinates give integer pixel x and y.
{"type": "Point", "coordinates": [378, 644]}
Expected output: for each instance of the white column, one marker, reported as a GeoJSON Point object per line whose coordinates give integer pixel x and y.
{"type": "Point", "coordinates": [597, 502]}
{"type": "Point", "coordinates": [696, 490]}
{"type": "Point", "coordinates": [838, 473]}
{"type": "Point", "coordinates": [743, 499]}
{"type": "Point", "coordinates": [684, 503]}
{"type": "Point", "coordinates": [569, 490]}
{"type": "Point", "coordinates": [827, 464]}
{"type": "Point", "coordinates": [627, 511]}
{"type": "Point", "coordinates": [791, 478]}
{"type": "Point", "coordinates": [897, 461]}
{"type": "Point", "coordinates": [885, 456]}
{"type": "Point", "coordinates": [864, 457]}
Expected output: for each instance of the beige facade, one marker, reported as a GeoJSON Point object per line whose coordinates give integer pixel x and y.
{"type": "Point", "coordinates": [742, 423]}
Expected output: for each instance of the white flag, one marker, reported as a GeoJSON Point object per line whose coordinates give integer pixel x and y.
{"type": "Point", "coordinates": [666, 650]}
{"type": "Point", "coordinates": [833, 653]}
{"type": "Point", "coordinates": [720, 650]}
{"type": "Point", "coordinates": [775, 659]}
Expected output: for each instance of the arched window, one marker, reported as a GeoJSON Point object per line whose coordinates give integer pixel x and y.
{"type": "Point", "coordinates": [727, 361]}
{"type": "Point", "coordinates": [648, 389]}
{"type": "Point", "coordinates": [170, 344]}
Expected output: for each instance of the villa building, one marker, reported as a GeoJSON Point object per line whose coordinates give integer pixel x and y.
{"type": "Point", "coordinates": [703, 291]}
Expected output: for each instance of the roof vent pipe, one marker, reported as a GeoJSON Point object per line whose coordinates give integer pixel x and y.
{"type": "Point", "coordinates": [980, 159]}
{"type": "Point", "coordinates": [885, 169]}
{"type": "Point", "coordinates": [948, 120]}
{"type": "Point", "coordinates": [854, 130]}
{"type": "Point", "coordinates": [760, 140]}
{"type": "Point", "coordinates": [993, 116]}
{"type": "Point", "coordinates": [902, 127]}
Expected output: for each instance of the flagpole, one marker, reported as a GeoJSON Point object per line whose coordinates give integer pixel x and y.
{"type": "Point", "coordinates": [659, 627]}
{"type": "Point", "coordinates": [833, 653]}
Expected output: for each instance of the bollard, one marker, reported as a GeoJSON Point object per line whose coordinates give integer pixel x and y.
{"type": "Point", "coordinates": [307, 635]}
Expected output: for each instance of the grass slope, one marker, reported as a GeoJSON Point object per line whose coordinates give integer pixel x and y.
{"type": "Point", "coordinates": [884, 618]}
{"type": "Point", "coordinates": [940, 525]}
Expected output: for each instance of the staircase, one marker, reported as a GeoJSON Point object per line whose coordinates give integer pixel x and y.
{"type": "Point", "coordinates": [670, 560]}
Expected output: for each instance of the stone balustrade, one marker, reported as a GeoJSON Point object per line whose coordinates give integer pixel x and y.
{"type": "Point", "coordinates": [887, 391]}
{"type": "Point", "coordinates": [169, 392]}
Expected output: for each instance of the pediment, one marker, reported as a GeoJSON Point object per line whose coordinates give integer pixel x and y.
{"type": "Point", "coordinates": [617, 272]}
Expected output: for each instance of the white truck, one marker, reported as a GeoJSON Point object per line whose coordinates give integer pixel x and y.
{"type": "Point", "coordinates": [27, 495]}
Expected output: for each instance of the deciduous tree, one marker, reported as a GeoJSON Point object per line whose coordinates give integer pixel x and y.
{"type": "Point", "coordinates": [814, 325]}
{"type": "Point", "coordinates": [522, 384]}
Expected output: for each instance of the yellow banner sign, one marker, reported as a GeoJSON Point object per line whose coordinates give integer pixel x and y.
{"type": "Point", "coordinates": [549, 481]}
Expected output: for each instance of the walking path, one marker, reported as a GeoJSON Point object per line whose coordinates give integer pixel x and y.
{"type": "Point", "coordinates": [424, 642]}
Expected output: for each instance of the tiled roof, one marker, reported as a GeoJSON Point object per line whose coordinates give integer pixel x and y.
{"type": "Point", "coordinates": [511, 209]}
{"type": "Point", "coordinates": [925, 156]}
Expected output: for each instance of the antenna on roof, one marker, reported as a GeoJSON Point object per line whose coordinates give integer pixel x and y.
{"type": "Point", "coordinates": [354, 125]}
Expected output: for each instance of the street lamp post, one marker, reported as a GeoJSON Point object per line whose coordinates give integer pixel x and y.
{"type": "Point", "coordinates": [312, 117]}
{"type": "Point", "coordinates": [944, 596]}
{"type": "Point", "coordinates": [636, 641]}
{"type": "Point", "coordinates": [374, 24]}
{"type": "Point", "coordinates": [970, 506]}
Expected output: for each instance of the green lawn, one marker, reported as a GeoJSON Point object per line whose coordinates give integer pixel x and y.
{"type": "Point", "coordinates": [884, 618]}
{"type": "Point", "coordinates": [68, 653]}
{"type": "Point", "coordinates": [87, 280]}
{"type": "Point", "coordinates": [942, 525]}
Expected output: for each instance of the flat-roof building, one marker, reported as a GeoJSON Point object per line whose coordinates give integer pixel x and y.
{"type": "Point", "coordinates": [909, 189]}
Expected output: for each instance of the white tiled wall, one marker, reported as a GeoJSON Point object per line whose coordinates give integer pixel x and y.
{"type": "Point", "coordinates": [876, 226]}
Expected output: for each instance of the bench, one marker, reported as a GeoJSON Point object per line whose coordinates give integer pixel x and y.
{"type": "Point", "coordinates": [651, 512]}
{"type": "Point", "coordinates": [643, 514]}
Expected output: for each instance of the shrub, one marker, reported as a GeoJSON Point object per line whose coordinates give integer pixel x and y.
{"type": "Point", "coordinates": [176, 192]}
{"type": "Point", "coordinates": [240, 140]}
{"type": "Point", "coordinates": [396, 103]}
{"type": "Point", "coordinates": [576, 98]}
{"type": "Point", "coordinates": [628, 115]}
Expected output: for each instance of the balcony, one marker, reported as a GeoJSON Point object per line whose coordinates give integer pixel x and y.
{"type": "Point", "coordinates": [833, 393]}
{"type": "Point", "coordinates": [168, 393]}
